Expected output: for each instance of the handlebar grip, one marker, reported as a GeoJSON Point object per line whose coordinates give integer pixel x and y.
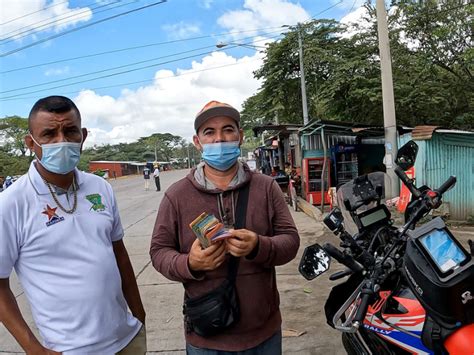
{"type": "Point", "coordinates": [340, 274]}
{"type": "Point", "coordinates": [446, 185]}
{"type": "Point", "coordinates": [342, 258]}
{"type": "Point", "coordinates": [363, 306]}
{"type": "Point", "coordinates": [408, 183]}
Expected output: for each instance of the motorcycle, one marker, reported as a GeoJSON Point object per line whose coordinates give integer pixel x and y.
{"type": "Point", "coordinates": [409, 289]}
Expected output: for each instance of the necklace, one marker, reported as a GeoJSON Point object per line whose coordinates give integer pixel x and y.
{"type": "Point", "coordinates": [74, 206]}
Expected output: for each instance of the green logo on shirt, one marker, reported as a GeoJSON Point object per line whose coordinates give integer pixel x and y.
{"type": "Point", "coordinates": [96, 201]}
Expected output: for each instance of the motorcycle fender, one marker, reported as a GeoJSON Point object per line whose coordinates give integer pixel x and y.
{"type": "Point", "coordinates": [461, 341]}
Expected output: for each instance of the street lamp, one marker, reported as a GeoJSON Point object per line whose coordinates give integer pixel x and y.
{"type": "Point", "coordinates": [245, 45]}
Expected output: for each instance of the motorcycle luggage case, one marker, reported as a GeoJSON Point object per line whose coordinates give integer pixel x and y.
{"type": "Point", "coordinates": [447, 295]}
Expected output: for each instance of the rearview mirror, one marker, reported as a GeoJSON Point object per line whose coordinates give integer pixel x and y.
{"type": "Point", "coordinates": [314, 262]}
{"type": "Point", "coordinates": [406, 155]}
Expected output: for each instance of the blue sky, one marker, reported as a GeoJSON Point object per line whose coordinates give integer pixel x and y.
{"type": "Point", "coordinates": [161, 98]}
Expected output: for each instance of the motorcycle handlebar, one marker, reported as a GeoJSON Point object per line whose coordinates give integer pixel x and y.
{"type": "Point", "coordinates": [342, 258]}
{"type": "Point", "coordinates": [363, 306]}
{"type": "Point", "coordinates": [408, 183]}
{"type": "Point", "coordinates": [446, 185]}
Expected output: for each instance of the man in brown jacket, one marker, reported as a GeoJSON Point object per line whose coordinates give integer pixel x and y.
{"type": "Point", "coordinates": [269, 239]}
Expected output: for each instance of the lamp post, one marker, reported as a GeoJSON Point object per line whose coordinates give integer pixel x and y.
{"type": "Point", "coordinates": [245, 45]}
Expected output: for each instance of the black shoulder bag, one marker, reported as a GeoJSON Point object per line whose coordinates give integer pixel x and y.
{"type": "Point", "coordinates": [217, 310]}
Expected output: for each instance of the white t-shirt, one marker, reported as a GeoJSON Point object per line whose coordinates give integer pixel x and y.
{"type": "Point", "coordinates": [156, 172]}
{"type": "Point", "coordinates": [66, 264]}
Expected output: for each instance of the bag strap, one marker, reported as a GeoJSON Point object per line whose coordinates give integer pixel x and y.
{"type": "Point", "coordinates": [240, 221]}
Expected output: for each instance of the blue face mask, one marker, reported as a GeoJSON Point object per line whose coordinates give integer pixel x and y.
{"type": "Point", "coordinates": [60, 158]}
{"type": "Point", "coordinates": [221, 156]}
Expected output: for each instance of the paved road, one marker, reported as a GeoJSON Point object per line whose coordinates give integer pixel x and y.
{"type": "Point", "coordinates": [301, 300]}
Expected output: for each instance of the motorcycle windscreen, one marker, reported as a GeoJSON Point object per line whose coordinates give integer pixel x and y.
{"type": "Point", "coordinates": [361, 194]}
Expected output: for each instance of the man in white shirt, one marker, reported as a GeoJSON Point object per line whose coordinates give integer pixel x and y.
{"type": "Point", "coordinates": [156, 175]}
{"type": "Point", "coordinates": [61, 231]}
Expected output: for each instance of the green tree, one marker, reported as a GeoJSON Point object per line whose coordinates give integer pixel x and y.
{"type": "Point", "coordinates": [432, 59]}
{"type": "Point", "coordinates": [13, 130]}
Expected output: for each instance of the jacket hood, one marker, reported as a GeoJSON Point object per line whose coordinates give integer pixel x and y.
{"type": "Point", "coordinates": [198, 179]}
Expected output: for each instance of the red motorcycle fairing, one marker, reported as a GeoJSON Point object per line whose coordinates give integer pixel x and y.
{"type": "Point", "coordinates": [398, 319]}
{"type": "Point", "coordinates": [461, 342]}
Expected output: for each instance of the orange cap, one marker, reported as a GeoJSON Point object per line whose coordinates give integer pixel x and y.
{"type": "Point", "coordinates": [214, 109]}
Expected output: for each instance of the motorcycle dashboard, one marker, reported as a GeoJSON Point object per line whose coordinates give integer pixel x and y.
{"type": "Point", "coordinates": [377, 215]}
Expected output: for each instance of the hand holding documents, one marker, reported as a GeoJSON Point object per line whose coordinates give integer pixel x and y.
{"type": "Point", "coordinates": [208, 229]}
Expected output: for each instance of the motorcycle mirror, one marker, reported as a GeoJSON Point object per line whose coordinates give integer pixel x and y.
{"type": "Point", "coordinates": [314, 262]}
{"type": "Point", "coordinates": [334, 219]}
{"type": "Point", "coordinates": [406, 155]}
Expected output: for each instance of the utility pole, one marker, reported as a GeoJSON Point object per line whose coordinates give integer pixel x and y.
{"type": "Point", "coordinates": [303, 83]}
{"type": "Point", "coordinates": [189, 158]}
{"type": "Point", "coordinates": [390, 123]}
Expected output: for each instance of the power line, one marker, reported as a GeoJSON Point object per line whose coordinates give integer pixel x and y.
{"type": "Point", "coordinates": [122, 72]}
{"type": "Point", "coordinates": [139, 81]}
{"type": "Point", "coordinates": [159, 43]}
{"type": "Point", "coordinates": [17, 34]}
{"type": "Point", "coordinates": [137, 47]}
{"type": "Point", "coordinates": [104, 70]}
{"type": "Point", "coordinates": [32, 13]}
{"type": "Point", "coordinates": [127, 65]}
{"type": "Point", "coordinates": [81, 27]}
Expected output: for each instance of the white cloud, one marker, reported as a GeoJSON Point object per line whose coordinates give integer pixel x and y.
{"type": "Point", "coordinates": [21, 17]}
{"type": "Point", "coordinates": [181, 30]}
{"type": "Point", "coordinates": [262, 14]}
{"type": "Point", "coordinates": [206, 3]}
{"type": "Point", "coordinates": [356, 22]}
{"type": "Point", "coordinates": [171, 102]}
{"type": "Point", "coordinates": [57, 71]}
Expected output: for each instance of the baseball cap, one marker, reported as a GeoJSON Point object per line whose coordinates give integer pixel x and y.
{"type": "Point", "coordinates": [214, 109]}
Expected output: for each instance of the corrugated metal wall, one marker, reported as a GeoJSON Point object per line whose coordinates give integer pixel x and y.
{"type": "Point", "coordinates": [444, 155]}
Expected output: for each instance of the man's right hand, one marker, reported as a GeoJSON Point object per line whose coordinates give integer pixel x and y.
{"type": "Point", "coordinates": [206, 259]}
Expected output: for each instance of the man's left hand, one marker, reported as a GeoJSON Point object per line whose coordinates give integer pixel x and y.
{"type": "Point", "coordinates": [242, 242]}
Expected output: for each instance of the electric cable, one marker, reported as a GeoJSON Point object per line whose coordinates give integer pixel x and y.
{"type": "Point", "coordinates": [27, 30]}
{"type": "Point", "coordinates": [122, 72]}
{"type": "Point", "coordinates": [34, 12]}
{"type": "Point", "coordinates": [140, 81]}
{"type": "Point", "coordinates": [130, 64]}
{"type": "Point", "coordinates": [81, 28]}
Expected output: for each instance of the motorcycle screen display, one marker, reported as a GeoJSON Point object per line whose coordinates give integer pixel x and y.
{"type": "Point", "coordinates": [443, 250]}
{"type": "Point", "coordinates": [369, 219]}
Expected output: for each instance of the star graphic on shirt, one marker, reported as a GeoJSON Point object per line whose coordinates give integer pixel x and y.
{"type": "Point", "coordinates": [50, 212]}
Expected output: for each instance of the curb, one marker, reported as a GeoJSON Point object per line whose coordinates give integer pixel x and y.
{"type": "Point", "coordinates": [310, 210]}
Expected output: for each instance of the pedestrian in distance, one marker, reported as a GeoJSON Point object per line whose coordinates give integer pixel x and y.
{"type": "Point", "coordinates": [233, 280]}
{"type": "Point", "coordinates": [146, 176]}
{"type": "Point", "coordinates": [156, 175]}
{"type": "Point", "coordinates": [61, 231]}
{"type": "Point", "coordinates": [8, 182]}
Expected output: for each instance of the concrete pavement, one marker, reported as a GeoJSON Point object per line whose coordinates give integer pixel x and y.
{"type": "Point", "coordinates": [301, 301]}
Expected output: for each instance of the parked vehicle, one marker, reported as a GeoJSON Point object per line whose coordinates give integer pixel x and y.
{"type": "Point", "coordinates": [410, 289]}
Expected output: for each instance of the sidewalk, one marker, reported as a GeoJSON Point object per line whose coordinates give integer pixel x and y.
{"type": "Point", "coordinates": [302, 302]}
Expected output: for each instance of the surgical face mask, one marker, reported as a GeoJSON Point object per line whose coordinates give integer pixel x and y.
{"type": "Point", "coordinates": [221, 156]}
{"type": "Point", "coordinates": [60, 158]}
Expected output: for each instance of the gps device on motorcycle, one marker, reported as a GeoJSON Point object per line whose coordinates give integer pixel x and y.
{"type": "Point", "coordinates": [377, 215]}
{"type": "Point", "coordinates": [443, 250]}
{"type": "Point", "coordinates": [441, 273]}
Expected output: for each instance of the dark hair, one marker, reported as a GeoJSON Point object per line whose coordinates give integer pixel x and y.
{"type": "Point", "coordinates": [55, 104]}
